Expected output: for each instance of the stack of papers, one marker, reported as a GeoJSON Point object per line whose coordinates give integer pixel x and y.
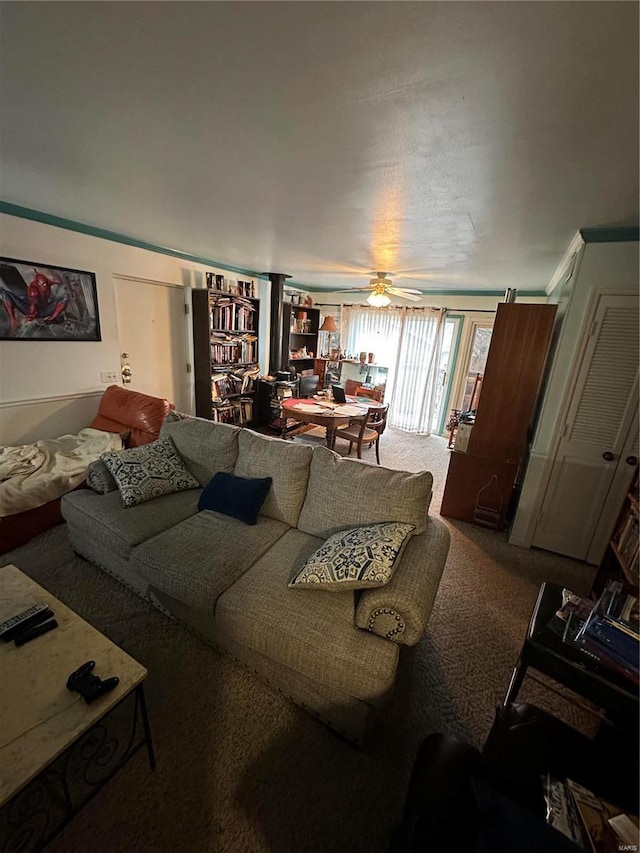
{"type": "Point", "coordinates": [351, 411]}
{"type": "Point", "coordinates": [310, 408]}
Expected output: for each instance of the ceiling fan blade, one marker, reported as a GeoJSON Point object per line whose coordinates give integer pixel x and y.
{"type": "Point", "coordinates": [407, 290]}
{"type": "Point", "coordinates": [405, 294]}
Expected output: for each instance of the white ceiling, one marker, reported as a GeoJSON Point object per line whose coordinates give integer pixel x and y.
{"type": "Point", "coordinates": [459, 145]}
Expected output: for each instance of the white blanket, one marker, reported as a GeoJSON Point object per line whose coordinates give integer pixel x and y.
{"type": "Point", "coordinates": [33, 474]}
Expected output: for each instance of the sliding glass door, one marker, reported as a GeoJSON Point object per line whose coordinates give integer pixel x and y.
{"type": "Point", "coordinates": [446, 365]}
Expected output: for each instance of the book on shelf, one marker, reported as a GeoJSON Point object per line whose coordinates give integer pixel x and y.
{"type": "Point", "coordinates": [241, 381]}
{"type": "Point", "coordinates": [237, 411]}
{"type": "Point", "coordinates": [240, 352]}
{"type": "Point", "coordinates": [237, 315]}
{"type": "Point", "coordinates": [561, 810]}
{"type": "Point", "coordinates": [605, 630]}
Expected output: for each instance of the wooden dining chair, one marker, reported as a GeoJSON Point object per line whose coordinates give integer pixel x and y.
{"type": "Point", "coordinates": [361, 430]}
{"type": "Point", "coordinates": [352, 387]}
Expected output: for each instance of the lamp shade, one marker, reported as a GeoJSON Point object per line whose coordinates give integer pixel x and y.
{"type": "Point", "coordinates": [378, 300]}
{"type": "Point", "coordinates": [328, 325]}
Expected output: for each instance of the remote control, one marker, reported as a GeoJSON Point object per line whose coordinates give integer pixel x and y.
{"type": "Point", "coordinates": [31, 633]}
{"type": "Point", "coordinates": [20, 621]}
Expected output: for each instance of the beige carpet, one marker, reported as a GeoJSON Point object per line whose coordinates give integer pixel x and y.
{"type": "Point", "coordinates": [242, 769]}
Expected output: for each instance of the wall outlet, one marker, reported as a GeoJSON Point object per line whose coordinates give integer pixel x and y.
{"type": "Point", "coordinates": [108, 376]}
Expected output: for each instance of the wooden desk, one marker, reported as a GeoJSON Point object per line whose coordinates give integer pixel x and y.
{"type": "Point", "coordinates": [325, 414]}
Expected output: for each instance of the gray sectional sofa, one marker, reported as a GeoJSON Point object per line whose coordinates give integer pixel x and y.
{"type": "Point", "coordinates": [335, 654]}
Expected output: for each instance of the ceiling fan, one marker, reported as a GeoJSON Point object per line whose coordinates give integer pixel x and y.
{"type": "Point", "coordinates": [381, 287]}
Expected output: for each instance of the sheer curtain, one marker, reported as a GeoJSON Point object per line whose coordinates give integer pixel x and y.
{"type": "Point", "coordinates": [408, 342]}
{"type": "Point", "coordinates": [418, 354]}
{"type": "Point", "coordinates": [375, 330]}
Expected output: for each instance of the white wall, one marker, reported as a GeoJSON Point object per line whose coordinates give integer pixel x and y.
{"type": "Point", "coordinates": [49, 387]}
{"type": "Point", "coordinates": [609, 267]}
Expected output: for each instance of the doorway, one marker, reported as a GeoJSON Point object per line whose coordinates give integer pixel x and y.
{"type": "Point", "coordinates": [448, 354]}
{"type": "Point", "coordinates": [152, 335]}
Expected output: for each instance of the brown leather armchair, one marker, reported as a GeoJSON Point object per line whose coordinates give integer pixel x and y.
{"type": "Point", "coordinates": [140, 415]}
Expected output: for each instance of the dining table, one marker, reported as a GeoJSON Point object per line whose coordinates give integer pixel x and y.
{"type": "Point", "coordinates": [327, 413]}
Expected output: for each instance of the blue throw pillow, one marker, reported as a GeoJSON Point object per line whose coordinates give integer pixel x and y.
{"type": "Point", "coordinates": [239, 497]}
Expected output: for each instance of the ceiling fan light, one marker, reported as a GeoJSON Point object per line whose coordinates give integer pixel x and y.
{"type": "Point", "coordinates": [378, 300]}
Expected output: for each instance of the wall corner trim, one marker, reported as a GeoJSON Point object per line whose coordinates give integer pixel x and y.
{"type": "Point", "coordinates": [574, 246]}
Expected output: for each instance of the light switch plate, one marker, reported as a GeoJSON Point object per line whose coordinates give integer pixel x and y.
{"type": "Point", "coordinates": [108, 376]}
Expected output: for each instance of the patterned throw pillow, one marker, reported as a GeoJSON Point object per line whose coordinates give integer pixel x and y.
{"type": "Point", "coordinates": [149, 471]}
{"type": "Point", "coordinates": [359, 558]}
{"type": "Point", "coordinates": [99, 478]}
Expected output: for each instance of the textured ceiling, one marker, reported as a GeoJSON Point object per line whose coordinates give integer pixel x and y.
{"type": "Point", "coordinates": [459, 145]}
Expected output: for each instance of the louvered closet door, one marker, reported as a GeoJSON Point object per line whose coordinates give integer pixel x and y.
{"type": "Point", "coordinates": [602, 421]}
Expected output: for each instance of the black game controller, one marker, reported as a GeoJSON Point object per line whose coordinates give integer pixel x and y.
{"type": "Point", "coordinates": [88, 685]}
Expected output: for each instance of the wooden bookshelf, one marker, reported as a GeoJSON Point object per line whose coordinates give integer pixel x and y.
{"type": "Point", "coordinates": [225, 343]}
{"type": "Point", "coordinates": [301, 323]}
{"type": "Point", "coordinates": [622, 557]}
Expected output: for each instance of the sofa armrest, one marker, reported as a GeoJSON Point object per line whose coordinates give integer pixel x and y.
{"type": "Point", "coordinates": [401, 609]}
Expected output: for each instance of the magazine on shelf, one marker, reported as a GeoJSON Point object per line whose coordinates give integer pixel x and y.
{"type": "Point", "coordinates": [593, 824]}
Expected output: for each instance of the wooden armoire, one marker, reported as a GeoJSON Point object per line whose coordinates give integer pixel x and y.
{"type": "Point", "coordinates": [481, 481]}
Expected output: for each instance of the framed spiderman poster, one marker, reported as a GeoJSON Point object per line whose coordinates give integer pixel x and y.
{"type": "Point", "coordinates": [39, 302]}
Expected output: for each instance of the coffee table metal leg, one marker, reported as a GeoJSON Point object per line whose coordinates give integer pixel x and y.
{"type": "Point", "coordinates": [147, 728]}
{"type": "Point", "coordinates": [517, 677]}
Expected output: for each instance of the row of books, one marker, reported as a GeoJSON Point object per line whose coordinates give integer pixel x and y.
{"type": "Point", "coordinates": [626, 539]}
{"type": "Point", "coordinates": [238, 412]}
{"type": "Point", "coordinates": [240, 352]}
{"type": "Point", "coordinates": [232, 315]}
{"type": "Point", "coordinates": [225, 285]}
{"type": "Point", "coordinates": [591, 823]}
{"type": "Point", "coordinates": [607, 630]}
{"type": "Point", "coordinates": [226, 384]}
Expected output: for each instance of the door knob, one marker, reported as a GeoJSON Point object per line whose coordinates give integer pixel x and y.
{"type": "Point", "coordinates": [608, 456]}
{"type": "Point", "coordinates": [631, 460]}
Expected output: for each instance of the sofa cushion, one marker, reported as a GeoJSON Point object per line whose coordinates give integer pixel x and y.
{"type": "Point", "coordinates": [359, 558]}
{"type": "Point", "coordinates": [119, 528]}
{"type": "Point", "coordinates": [286, 463]}
{"type": "Point", "coordinates": [199, 558]}
{"type": "Point", "coordinates": [204, 446]}
{"type": "Point", "coordinates": [345, 493]}
{"type": "Point", "coordinates": [239, 497]}
{"type": "Point", "coordinates": [311, 634]}
{"type": "Point", "coordinates": [147, 472]}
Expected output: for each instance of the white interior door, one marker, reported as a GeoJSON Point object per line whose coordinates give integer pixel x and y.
{"type": "Point", "coordinates": [152, 332]}
{"type": "Point", "coordinates": [600, 428]}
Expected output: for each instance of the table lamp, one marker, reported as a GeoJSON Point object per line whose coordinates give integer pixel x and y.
{"type": "Point", "coordinates": [328, 326]}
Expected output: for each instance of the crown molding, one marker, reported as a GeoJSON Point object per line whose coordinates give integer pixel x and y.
{"type": "Point", "coordinates": [115, 237]}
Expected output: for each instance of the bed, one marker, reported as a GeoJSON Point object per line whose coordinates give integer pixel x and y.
{"type": "Point", "coordinates": [36, 476]}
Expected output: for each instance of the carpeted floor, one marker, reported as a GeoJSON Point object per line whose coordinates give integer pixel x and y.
{"type": "Point", "coordinates": [242, 769]}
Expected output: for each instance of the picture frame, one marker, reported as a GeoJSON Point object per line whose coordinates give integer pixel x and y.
{"type": "Point", "coordinates": [43, 302]}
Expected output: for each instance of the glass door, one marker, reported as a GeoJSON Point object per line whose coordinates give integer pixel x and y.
{"type": "Point", "coordinates": [448, 353]}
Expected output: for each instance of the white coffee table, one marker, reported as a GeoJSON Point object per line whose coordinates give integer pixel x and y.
{"type": "Point", "coordinates": [55, 750]}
